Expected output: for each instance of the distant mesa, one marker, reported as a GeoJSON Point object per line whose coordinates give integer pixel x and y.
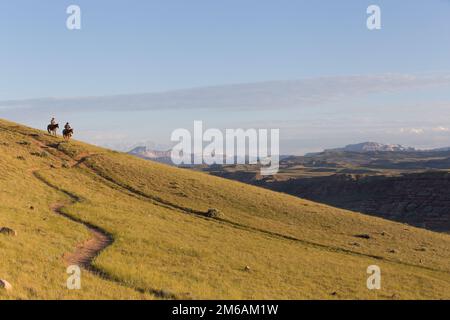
{"type": "Point", "coordinates": [149, 154]}
{"type": "Point", "coordinates": [366, 147]}
{"type": "Point", "coordinates": [126, 146]}
{"type": "Point", "coordinates": [373, 147]}
{"type": "Point", "coordinates": [441, 149]}
{"type": "Point", "coordinates": [144, 152]}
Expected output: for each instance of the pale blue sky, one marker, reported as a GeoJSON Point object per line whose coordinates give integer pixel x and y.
{"type": "Point", "coordinates": [139, 46]}
{"type": "Point", "coordinates": [146, 46]}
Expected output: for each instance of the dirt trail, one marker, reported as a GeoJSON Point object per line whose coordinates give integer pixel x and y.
{"type": "Point", "coordinates": [85, 252]}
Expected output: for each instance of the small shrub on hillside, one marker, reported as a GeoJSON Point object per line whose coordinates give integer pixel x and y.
{"type": "Point", "coordinates": [213, 213]}
{"type": "Point", "coordinates": [8, 231]}
{"type": "Point", "coordinates": [68, 149]}
{"type": "Point", "coordinates": [363, 236]}
{"type": "Point", "coordinates": [42, 154]}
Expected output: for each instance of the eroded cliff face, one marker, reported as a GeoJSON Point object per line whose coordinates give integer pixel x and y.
{"type": "Point", "coordinates": [420, 199]}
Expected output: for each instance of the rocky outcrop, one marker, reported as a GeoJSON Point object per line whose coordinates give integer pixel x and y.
{"type": "Point", "coordinates": [8, 231]}
{"type": "Point", "coordinates": [5, 285]}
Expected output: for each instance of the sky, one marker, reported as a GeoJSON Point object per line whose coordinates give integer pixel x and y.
{"type": "Point", "coordinates": [137, 70]}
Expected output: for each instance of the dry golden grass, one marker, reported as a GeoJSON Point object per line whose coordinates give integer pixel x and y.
{"type": "Point", "coordinates": [295, 249]}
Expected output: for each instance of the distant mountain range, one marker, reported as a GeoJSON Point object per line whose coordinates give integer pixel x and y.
{"type": "Point", "coordinates": [148, 153]}
{"type": "Point", "coordinates": [372, 147]}
{"type": "Point", "coordinates": [366, 147]}
{"type": "Point", "coordinates": [155, 154]}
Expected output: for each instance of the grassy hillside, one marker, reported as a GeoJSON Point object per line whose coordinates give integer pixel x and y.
{"type": "Point", "coordinates": [409, 187]}
{"type": "Point", "coordinates": [165, 246]}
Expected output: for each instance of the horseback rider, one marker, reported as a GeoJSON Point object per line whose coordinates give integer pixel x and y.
{"type": "Point", "coordinates": [68, 131]}
{"type": "Point", "coordinates": [52, 127]}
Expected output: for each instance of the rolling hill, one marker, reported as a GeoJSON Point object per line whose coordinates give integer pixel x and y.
{"type": "Point", "coordinates": [145, 230]}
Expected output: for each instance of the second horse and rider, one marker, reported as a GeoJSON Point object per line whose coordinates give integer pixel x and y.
{"type": "Point", "coordinates": [53, 127]}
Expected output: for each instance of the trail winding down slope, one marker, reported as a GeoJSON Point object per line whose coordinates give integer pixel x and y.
{"type": "Point", "coordinates": [86, 252]}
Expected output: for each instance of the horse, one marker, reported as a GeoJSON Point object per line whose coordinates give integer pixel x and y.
{"type": "Point", "coordinates": [51, 128]}
{"type": "Point", "coordinates": [67, 134]}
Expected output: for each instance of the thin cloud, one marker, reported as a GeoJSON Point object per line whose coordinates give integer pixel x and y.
{"type": "Point", "coordinates": [412, 130]}
{"type": "Point", "coordinates": [441, 129]}
{"type": "Point", "coordinates": [251, 96]}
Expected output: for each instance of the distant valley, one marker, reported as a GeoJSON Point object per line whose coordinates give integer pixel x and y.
{"type": "Point", "coordinates": [390, 181]}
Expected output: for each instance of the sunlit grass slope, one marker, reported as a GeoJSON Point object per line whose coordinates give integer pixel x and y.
{"type": "Point", "coordinates": [164, 242]}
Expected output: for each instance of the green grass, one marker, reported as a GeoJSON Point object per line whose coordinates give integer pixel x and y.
{"type": "Point", "coordinates": [295, 249]}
